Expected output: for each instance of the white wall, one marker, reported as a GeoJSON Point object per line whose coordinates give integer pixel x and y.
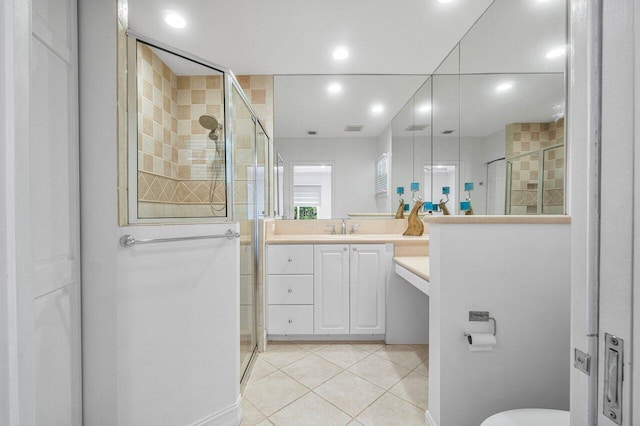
{"type": "Point", "coordinates": [353, 160]}
{"type": "Point", "coordinates": [116, 291]}
{"type": "Point", "coordinates": [17, 405]}
{"type": "Point", "coordinates": [99, 209]}
{"type": "Point", "coordinates": [520, 274]}
{"type": "Point", "coordinates": [178, 328]}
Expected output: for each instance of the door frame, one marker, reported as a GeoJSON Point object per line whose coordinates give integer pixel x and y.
{"type": "Point", "coordinates": [17, 404]}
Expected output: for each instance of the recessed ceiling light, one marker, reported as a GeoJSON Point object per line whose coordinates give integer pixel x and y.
{"type": "Point", "coordinates": [542, 1]}
{"type": "Point", "coordinates": [554, 53]}
{"type": "Point", "coordinates": [334, 88]}
{"type": "Point", "coordinates": [504, 86]}
{"type": "Point", "coordinates": [173, 19]}
{"type": "Point", "coordinates": [425, 108]}
{"type": "Point", "coordinates": [445, 1]}
{"type": "Point", "coordinates": [377, 108]}
{"type": "Point", "coordinates": [341, 53]}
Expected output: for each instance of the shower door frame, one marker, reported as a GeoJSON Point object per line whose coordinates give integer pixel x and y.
{"type": "Point", "coordinates": [230, 82]}
{"type": "Point", "coordinates": [132, 137]}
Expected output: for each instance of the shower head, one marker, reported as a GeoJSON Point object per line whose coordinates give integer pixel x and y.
{"type": "Point", "coordinates": [208, 121]}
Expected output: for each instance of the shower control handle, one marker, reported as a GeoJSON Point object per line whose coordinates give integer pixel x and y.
{"type": "Point", "coordinates": [290, 260]}
{"type": "Point", "coordinates": [290, 321]}
{"type": "Point", "coordinates": [290, 291]}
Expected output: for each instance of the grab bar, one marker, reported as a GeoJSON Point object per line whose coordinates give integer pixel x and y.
{"type": "Point", "coordinates": [130, 241]}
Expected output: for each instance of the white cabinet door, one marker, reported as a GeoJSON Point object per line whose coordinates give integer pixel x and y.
{"type": "Point", "coordinates": [367, 277]}
{"type": "Point", "coordinates": [331, 289]}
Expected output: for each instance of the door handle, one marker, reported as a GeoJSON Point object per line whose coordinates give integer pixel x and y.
{"type": "Point", "coordinates": [613, 376]}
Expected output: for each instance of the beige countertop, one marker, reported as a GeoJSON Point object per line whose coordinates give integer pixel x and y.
{"type": "Point", "coordinates": [418, 265]}
{"type": "Point", "coordinates": [489, 220]}
{"type": "Point", "coordinates": [342, 239]}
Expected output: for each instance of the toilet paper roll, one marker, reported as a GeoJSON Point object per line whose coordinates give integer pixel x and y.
{"type": "Point", "coordinates": [481, 342]}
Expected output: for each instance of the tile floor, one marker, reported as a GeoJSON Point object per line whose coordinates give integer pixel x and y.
{"type": "Point", "coordinates": [321, 383]}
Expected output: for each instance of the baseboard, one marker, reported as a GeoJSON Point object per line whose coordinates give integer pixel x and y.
{"type": "Point", "coordinates": [326, 337]}
{"type": "Point", "coordinates": [429, 420]}
{"type": "Point", "coordinates": [228, 416]}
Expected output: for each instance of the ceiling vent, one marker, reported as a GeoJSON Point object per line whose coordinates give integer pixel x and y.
{"type": "Point", "coordinates": [448, 132]}
{"type": "Point", "coordinates": [416, 127]}
{"type": "Point", "coordinates": [312, 132]}
{"type": "Point", "coordinates": [353, 127]}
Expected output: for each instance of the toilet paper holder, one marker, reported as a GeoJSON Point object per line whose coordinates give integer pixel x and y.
{"type": "Point", "coordinates": [484, 317]}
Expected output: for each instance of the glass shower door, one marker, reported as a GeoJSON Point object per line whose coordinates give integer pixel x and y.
{"type": "Point", "coordinates": [244, 207]}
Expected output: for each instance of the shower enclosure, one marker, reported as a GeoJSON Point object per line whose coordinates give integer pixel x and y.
{"type": "Point", "coordinates": [197, 153]}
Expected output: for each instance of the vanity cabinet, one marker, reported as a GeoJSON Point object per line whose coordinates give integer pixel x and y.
{"type": "Point", "coordinates": [326, 289]}
{"type": "Point", "coordinates": [349, 289]}
{"type": "Point", "coordinates": [331, 289]}
{"type": "Point", "coordinates": [367, 284]}
{"type": "Point", "coordinates": [290, 289]}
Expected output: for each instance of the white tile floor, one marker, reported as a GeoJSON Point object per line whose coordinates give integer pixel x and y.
{"type": "Point", "coordinates": [306, 384]}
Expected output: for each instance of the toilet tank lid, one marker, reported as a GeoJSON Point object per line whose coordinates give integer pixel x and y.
{"type": "Point", "coordinates": [529, 417]}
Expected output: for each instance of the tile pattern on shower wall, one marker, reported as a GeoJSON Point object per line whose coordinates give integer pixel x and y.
{"type": "Point", "coordinates": [176, 159]}
{"type": "Point", "coordinates": [198, 95]}
{"type": "Point", "coordinates": [259, 91]}
{"type": "Point", "coordinates": [525, 144]}
{"type": "Point", "coordinates": [157, 109]}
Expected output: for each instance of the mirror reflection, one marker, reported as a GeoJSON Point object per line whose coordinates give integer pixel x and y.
{"type": "Point", "coordinates": [340, 122]}
{"type": "Point", "coordinates": [484, 134]}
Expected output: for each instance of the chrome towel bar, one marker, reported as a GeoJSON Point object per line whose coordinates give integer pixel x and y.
{"type": "Point", "coordinates": [130, 241]}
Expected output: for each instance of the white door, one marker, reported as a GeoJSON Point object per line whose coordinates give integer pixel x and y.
{"type": "Point", "coordinates": [53, 212]}
{"type": "Point", "coordinates": [331, 289]}
{"type": "Point", "coordinates": [367, 288]}
{"type": "Point", "coordinates": [618, 224]}
{"type": "Point", "coordinates": [496, 178]}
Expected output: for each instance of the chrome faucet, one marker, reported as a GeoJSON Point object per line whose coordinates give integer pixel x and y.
{"type": "Point", "coordinates": [344, 225]}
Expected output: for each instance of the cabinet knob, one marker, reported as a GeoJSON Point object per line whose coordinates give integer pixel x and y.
{"type": "Point", "coordinates": [290, 321]}
{"type": "Point", "coordinates": [345, 249]}
{"type": "Point", "coordinates": [290, 291]}
{"type": "Point", "coordinates": [355, 249]}
{"type": "Point", "coordinates": [290, 260]}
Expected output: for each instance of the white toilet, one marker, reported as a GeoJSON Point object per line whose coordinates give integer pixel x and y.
{"type": "Point", "coordinates": [529, 417]}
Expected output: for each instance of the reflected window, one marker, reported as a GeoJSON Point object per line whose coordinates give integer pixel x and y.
{"type": "Point", "coordinates": [312, 191]}
{"type": "Point", "coordinates": [436, 179]}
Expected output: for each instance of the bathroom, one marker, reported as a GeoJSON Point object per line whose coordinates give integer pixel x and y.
{"type": "Point", "coordinates": [241, 258]}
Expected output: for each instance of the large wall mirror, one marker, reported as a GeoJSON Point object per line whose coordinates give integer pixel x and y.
{"type": "Point", "coordinates": [486, 127]}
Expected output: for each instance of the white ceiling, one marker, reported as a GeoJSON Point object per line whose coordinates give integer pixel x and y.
{"type": "Point", "coordinates": [298, 36]}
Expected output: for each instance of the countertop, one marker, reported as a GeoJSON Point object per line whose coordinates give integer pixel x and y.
{"type": "Point", "coordinates": [418, 265]}
{"type": "Point", "coordinates": [342, 239]}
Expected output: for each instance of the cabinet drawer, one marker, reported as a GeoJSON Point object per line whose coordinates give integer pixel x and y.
{"type": "Point", "coordinates": [290, 319]}
{"type": "Point", "coordinates": [290, 290]}
{"type": "Point", "coordinates": [290, 259]}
